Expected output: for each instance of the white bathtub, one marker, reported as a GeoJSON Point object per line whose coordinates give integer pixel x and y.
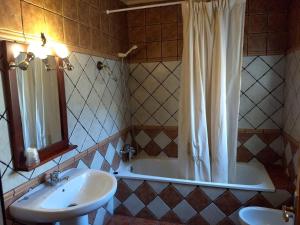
{"type": "Point", "coordinates": [250, 176]}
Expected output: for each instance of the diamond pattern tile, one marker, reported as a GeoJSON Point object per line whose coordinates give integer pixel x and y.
{"type": "Point", "coordinates": [171, 196]}
{"type": "Point", "coordinates": [243, 155]}
{"type": "Point", "coordinates": [262, 77]}
{"type": "Point", "coordinates": [142, 139]}
{"type": "Point", "coordinates": [212, 214]}
{"type": "Point", "coordinates": [255, 144]}
{"type": "Point", "coordinates": [133, 204]}
{"type": "Point", "coordinates": [258, 67]}
{"type": "Point", "coordinates": [161, 72]}
{"type": "Point", "coordinates": [158, 207]}
{"type": "Point", "coordinates": [133, 184]}
{"type": "Point", "coordinates": [145, 213]}
{"type": "Point", "coordinates": [94, 101]}
{"type": "Point", "coordinates": [157, 186]}
{"type": "Point", "coordinates": [198, 199]}
{"type": "Point", "coordinates": [152, 149]}
{"type": "Point", "coordinates": [145, 193]}
{"type": "Point", "coordinates": [97, 108]}
{"type": "Point", "coordinates": [184, 211]}
{"type": "Point", "coordinates": [198, 219]}
{"type": "Point", "coordinates": [191, 204]}
{"type": "Point", "coordinates": [259, 200]}
{"type": "Point", "coordinates": [291, 115]}
{"type": "Point", "coordinates": [171, 217]}
{"type": "Point", "coordinates": [227, 202]}
{"type": "Point", "coordinates": [162, 140]}
{"type": "Point", "coordinates": [226, 221]}
{"type": "Point", "coordinates": [213, 192]}
{"type": "Point", "coordinates": [268, 156]}
{"type": "Point", "coordinates": [261, 97]}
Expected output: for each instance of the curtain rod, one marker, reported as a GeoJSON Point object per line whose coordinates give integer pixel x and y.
{"type": "Point", "coordinates": [143, 7]}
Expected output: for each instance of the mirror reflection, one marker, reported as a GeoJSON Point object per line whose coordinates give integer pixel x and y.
{"type": "Point", "coordinates": [39, 102]}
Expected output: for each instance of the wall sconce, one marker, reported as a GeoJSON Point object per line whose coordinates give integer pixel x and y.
{"type": "Point", "coordinates": [42, 51]}
{"type": "Point", "coordinates": [23, 65]}
{"type": "Point", "coordinates": [63, 53]}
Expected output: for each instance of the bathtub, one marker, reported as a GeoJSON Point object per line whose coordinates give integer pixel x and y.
{"type": "Point", "coordinates": [250, 176]}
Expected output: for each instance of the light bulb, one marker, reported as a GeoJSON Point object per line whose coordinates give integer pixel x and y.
{"type": "Point", "coordinates": [33, 48]}
{"type": "Point", "coordinates": [44, 51]}
{"type": "Point", "coordinates": [61, 50]}
{"type": "Point", "coordinates": [38, 50]}
{"type": "Point", "coordinates": [16, 50]}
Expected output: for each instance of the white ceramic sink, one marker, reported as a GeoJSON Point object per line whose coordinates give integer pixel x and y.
{"type": "Point", "coordinates": [69, 201]}
{"type": "Point", "coordinates": [262, 216]}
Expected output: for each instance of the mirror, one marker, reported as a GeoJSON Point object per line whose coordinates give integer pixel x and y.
{"type": "Point", "coordinates": [36, 105]}
{"type": "Point", "coordinates": [39, 103]}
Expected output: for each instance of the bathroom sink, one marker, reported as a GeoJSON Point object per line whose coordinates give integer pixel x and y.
{"type": "Point", "coordinates": [69, 201]}
{"type": "Point", "coordinates": [265, 216]}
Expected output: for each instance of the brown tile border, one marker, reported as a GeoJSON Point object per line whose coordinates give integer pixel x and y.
{"type": "Point", "coordinates": [175, 128]}
{"type": "Point", "coordinates": [260, 131]}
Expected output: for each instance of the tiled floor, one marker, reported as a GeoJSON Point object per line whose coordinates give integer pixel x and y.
{"type": "Point", "coordinates": [125, 220]}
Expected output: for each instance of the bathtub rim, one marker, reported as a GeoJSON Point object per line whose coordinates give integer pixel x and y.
{"type": "Point", "coordinates": [268, 186]}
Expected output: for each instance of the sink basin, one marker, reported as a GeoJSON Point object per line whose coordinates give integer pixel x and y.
{"type": "Point", "coordinates": [69, 201]}
{"type": "Point", "coordinates": [265, 216]}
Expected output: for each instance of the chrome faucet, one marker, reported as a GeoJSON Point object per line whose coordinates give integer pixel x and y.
{"type": "Point", "coordinates": [55, 178]}
{"type": "Point", "coordinates": [127, 153]}
{"type": "Point", "coordinates": [286, 213]}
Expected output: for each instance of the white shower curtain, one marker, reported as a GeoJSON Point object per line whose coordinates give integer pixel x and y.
{"type": "Point", "coordinates": [210, 89]}
{"type": "Point", "coordinates": [39, 104]}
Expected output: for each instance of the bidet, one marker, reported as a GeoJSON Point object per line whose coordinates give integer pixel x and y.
{"type": "Point", "coordinates": [260, 215]}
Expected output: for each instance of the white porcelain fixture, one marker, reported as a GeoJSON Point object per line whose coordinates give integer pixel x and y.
{"type": "Point", "coordinates": [249, 176]}
{"type": "Point", "coordinates": [69, 201]}
{"type": "Point", "coordinates": [262, 216]}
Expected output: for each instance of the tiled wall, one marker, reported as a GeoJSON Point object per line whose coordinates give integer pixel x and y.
{"type": "Point", "coordinates": [155, 92]}
{"type": "Point", "coordinates": [154, 105]}
{"type": "Point", "coordinates": [266, 28]}
{"type": "Point", "coordinates": [264, 145]}
{"type": "Point", "coordinates": [291, 107]}
{"type": "Point", "coordinates": [294, 17]}
{"type": "Point", "coordinates": [190, 204]}
{"type": "Point", "coordinates": [82, 24]}
{"type": "Point", "coordinates": [292, 110]}
{"type": "Point", "coordinates": [292, 116]}
{"type": "Point", "coordinates": [98, 122]}
{"type": "Point", "coordinates": [158, 31]}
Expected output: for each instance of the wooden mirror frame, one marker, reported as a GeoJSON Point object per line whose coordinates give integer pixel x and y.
{"type": "Point", "coordinates": [10, 90]}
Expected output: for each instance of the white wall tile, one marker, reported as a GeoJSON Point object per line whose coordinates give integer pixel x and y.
{"type": "Point", "coordinates": [261, 97]}
{"type": "Point", "coordinates": [95, 110]}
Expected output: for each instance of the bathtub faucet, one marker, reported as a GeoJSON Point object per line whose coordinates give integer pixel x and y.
{"type": "Point", "coordinates": [286, 213]}
{"type": "Point", "coordinates": [127, 152]}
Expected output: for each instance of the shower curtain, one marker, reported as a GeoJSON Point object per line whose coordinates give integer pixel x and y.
{"type": "Point", "coordinates": [210, 89]}
{"type": "Point", "coordinates": [39, 104]}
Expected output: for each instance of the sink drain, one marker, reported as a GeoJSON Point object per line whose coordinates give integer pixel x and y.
{"type": "Point", "coordinates": [72, 205]}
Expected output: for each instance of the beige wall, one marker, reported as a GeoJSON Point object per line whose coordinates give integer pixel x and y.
{"type": "Point", "coordinates": [81, 24]}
